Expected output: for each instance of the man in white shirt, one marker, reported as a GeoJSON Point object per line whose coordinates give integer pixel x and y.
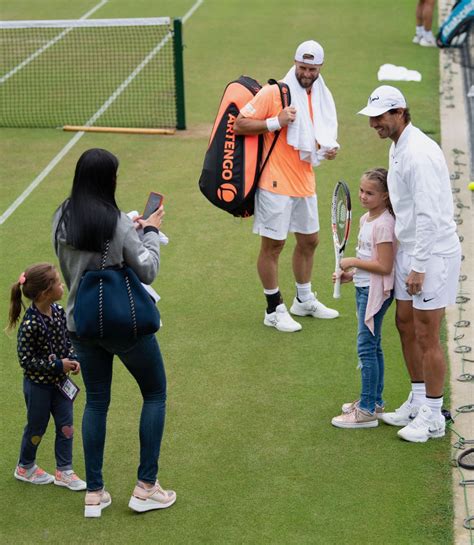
{"type": "Point", "coordinates": [428, 259]}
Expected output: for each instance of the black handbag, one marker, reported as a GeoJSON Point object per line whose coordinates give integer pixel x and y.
{"type": "Point", "coordinates": [112, 303]}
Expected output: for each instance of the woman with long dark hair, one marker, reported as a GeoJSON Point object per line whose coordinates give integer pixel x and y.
{"type": "Point", "coordinates": [83, 225]}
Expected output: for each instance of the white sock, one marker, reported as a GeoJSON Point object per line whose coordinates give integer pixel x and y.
{"type": "Point", "coordinates": [303, 292]}
{"type": "Point", "coordinates": [419, 30]}
{"type": "Point", "coordinates": [428, 35]}
{"type": "Point", "coordinates": [435, 404]}
{"type": "Point", "coordinates": [419, 393]}
{"type": "Point", "coordinates": [271, 292]}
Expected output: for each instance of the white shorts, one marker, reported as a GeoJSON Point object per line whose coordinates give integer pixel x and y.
{"type": "Point", "coordinates": [440, 285]}
{"type": "Point", "coordinates": [277, 215]}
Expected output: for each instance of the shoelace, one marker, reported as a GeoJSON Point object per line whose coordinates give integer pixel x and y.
{"type": "Point", "coordinates": [420, 421]}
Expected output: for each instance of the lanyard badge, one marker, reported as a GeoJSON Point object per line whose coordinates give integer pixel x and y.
{"type": "Point", "coordinates": [69, 389]}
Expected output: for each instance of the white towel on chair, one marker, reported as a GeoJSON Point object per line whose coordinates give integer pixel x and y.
{"type": "Point", "coordinates": [312, 138]}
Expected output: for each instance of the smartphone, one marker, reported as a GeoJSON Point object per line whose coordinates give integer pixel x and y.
{"type": "Point", "coordinates": [155, 200]}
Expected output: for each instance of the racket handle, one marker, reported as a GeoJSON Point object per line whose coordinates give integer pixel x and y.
{"type": "Point", "coordinates": [337, 289]}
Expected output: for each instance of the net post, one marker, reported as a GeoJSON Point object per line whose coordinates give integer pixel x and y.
{"type": "Point", "coordinates": [179, 73]}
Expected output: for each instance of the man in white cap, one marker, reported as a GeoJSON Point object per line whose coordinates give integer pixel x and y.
{"type": "Point", "coordinates": [427, 263]}
{"type": "Point", "coordinates": [286, 196]}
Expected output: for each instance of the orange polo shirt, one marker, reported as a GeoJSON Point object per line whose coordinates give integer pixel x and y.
{"type": "Point", "coordinates": [285, 173]}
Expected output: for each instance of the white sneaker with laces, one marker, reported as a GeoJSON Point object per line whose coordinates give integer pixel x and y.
{"type": "Point", "coordinates": [314, 308]}
{"type": "Point", "coordinates": [281, 320]}
{"type": "Point", "coordinates": [403, 415]}
{"type": "Point", "coordinates": [425, 426]}
{"type": "Point", "coordinates": [416, 39]}
{"type": "Point", "coordinates": [428, 41]}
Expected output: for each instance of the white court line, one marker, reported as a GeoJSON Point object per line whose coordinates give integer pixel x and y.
{"type": "Point", "coordinates": [9, 211]}
{"type": "Point", "coordinates": [38, 52]}
{"type": "Point", "coordinates": [192, 10]}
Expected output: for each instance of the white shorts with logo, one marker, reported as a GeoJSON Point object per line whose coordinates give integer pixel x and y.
{"type": "Point", "coordinates": [277, 215]}
{"type": "Point", "coordinates": [440, 284]}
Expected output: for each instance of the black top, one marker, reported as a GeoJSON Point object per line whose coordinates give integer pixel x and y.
{"type": "Point", "coordinates": [42, 343]}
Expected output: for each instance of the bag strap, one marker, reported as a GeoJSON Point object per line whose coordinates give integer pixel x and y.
{"type": "Point", "coordinates": [104, 255]}
{"type": "Point", "coordinates": [285, 97]}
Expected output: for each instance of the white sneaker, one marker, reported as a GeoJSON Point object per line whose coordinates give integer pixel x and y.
{"type": "Point", "coordinates": [314, 308]}
{"type": "Point", "coordinates": [403, 415]}
{"type": "Point", "coordinates": [281, 320]}
{"type": "Point", "coordinates": [425, 426]}
{"type": "Point", "coordinates": [416, 39]}
{"type": "Point", "coordinates": [429, 41]}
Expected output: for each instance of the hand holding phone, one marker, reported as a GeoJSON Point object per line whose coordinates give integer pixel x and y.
{"type": "Point", "coordinates": [155, 200]}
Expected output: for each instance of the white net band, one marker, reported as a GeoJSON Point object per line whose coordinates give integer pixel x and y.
{"type": "Point", "coordinates": [85, 23]}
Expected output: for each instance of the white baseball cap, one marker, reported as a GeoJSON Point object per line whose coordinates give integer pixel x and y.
{"type": "Point", "coordinates": [381, 100]}
{"type": "Point", "coordinates": [313, 51]}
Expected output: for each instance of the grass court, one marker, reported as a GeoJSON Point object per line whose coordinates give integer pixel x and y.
{"type": "Point", "coordinates": [248, 443]}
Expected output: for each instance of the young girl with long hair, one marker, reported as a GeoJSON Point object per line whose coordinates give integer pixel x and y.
{"type": "Point", "coordinates": [372, 273]}
{"type": "Point", "coordinates": [46, 356]}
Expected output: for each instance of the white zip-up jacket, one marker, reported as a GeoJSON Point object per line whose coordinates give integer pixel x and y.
{"type": "Point", "coordinates": [420, 192]}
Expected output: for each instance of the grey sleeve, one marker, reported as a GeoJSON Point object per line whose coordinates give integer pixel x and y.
{"type": "Point", "coordinates": [143, 256]}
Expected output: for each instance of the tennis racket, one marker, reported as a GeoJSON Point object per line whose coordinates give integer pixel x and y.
{"type": "Point", "coordinates": [341, 225]}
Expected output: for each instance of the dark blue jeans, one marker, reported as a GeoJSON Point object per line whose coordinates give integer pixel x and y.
{"type": "Point", "coordinates": [143, 360]}
{"type": "Point", "coordinates": [369, 350]}
{"type": "Point", "coordinates": [42, 401]}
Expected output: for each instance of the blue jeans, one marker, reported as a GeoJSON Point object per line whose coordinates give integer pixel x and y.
{"type": "Point", "coordinates": [143, 360]}
{"type": "Point", "coordinates": [41, 401]}
{"type": "Point", "coordinates": [369, 350]}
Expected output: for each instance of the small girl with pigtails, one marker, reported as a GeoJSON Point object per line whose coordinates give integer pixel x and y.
{"type": "Point", "coordinates": [46, 356]}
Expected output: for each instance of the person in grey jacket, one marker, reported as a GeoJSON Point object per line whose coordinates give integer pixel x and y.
{"type": "Point", "coordinates": [82, 225]}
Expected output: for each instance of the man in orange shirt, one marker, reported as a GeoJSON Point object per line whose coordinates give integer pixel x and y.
{"type": "Point", "coordinates": [286, 196]}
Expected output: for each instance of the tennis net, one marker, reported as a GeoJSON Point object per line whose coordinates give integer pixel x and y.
{"type": "Point", "coordinates": [102, 72]}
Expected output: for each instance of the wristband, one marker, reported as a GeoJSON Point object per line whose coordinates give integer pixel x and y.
{"type": "Point", "coordinates": [273, 124]}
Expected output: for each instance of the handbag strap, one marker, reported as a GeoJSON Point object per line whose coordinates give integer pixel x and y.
{"type": "Point", "coordinates": [104, 254]}
{"type": "Point", "coordinates": [133, 314]}
{"type": "Point", "coordinates": [101, 289]}
{"type": "Point", "coordinates": [132, 306]}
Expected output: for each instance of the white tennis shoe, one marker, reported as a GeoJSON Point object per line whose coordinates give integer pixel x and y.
{"type": "Point", "coordinates": [403, 415]}
{"type": "Point", "coordinates": [314, 308]}
{"type": "Point", "coordinates": [281, 320]}
{"type": "Point", "coordinates": [425, 426]}
{"type": "Point", "coordinates": [416, 38]}
{"type": "Point", "coordinates": [428, 41]}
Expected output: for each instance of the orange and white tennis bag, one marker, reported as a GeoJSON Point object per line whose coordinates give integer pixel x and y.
{"type": "Point", "coordinates": [233, 163]}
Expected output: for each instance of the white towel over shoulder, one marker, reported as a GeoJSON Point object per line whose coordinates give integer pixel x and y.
{"type": "Point", "coordinates": [312, 138]}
